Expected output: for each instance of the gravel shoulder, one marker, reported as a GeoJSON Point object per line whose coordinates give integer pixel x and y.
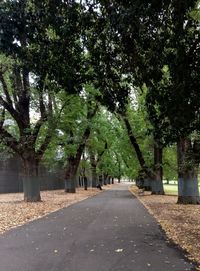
{"type": "Point", "coordinates": [15, 212]}
{"type": "Point", "coordinates": [180, 222]}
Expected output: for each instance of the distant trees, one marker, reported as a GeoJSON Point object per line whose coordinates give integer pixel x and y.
{"type": "Point", "coordinates": [157, 45]}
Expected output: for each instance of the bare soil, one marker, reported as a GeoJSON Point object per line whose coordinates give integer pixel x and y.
{"type": "Point", "coordinates": [181, 223]}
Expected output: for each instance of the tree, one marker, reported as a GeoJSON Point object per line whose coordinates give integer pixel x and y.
{"type": "Point", "coordinates": [162, 35]}
{"type": "Point", "coordinates": [119, 71]}
{"type": "Point", "coordinates": [74, 160]}
{"type": "Point", "coordinates": [99, 143]}
{"type": "Point", "coordinates": [42, 40]}
{"type": "Point", "coordinates": [73, 131]}
{"type": "Point", "coordinates": [180, 117]}
{"type": "Point", "coordinates": [17, 94]}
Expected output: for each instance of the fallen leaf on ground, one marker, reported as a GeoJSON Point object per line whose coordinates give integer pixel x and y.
{"type": "Point", "coordinates": [180, 222]}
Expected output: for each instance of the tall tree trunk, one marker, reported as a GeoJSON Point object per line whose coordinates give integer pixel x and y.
{"type": "Point", "coordinates": [134, 143]}
{"type": "Point", "coordinates": [85, 180]}
{"type": "Point", "coordinates": [105, 178]}
{"type": "Point", "coordinates": [157, 182]}
{"type": "Point", "coordinates": [73, 164]}
{"type": "Point", "coordinates": [94, 176]}
{"type": "Point", "coordinates": [71, 173]}
{"type": "Point", "coordinates": [31, 182]}
{"type": "Point", "coordinates": [101, 180]}
{"type": "Point", "coordinates": [93, 169]}
{"type": "Point", "coordinates": [146, 179]}
{"type": "Point", "coordinates": [188, 191]}
{"type": "Point", "coordinates": [94, 162]}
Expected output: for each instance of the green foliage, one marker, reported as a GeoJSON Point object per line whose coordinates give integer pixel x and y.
{"type": "Point", "coordinates": [172, 101]}
{"type": "Point", "coordinates": [138, 58]}
{"type": "Point", "coordinates": [46, 37]}
{"type": "Point", "coordinates": [156, 43]}
{"type": "Point", "coordinates": [195, 13]}
{"type": "Point", "coordinates": [170, 163]}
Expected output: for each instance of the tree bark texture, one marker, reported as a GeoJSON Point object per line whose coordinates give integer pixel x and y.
{"type": "Point", "coordinates": [188, 191]}
{"type": "Point", "coordinates": [31, 182]}
{"type": "Point", "coordinates": [157, 181]}
{"type": "Point", "coordinates": [71, 174]}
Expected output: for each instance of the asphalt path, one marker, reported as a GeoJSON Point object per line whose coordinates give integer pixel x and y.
{"type": "Point", "coordinates": [109, 232]}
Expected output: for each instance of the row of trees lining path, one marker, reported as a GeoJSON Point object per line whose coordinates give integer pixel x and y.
{"type": "Point", "coordinates": [112, 84]}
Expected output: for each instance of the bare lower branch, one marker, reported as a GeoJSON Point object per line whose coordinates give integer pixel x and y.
{"type": "Point", "coordinates": [12, 111]}
{"type": "Point", "coordinates": [26, 83]}
{"type": "Point", "coordinates": [5, 89]}
{"type": "Point", "coordinates": [102, 153]}
{"type": "Point", "coordinates": [17, 82]}
{"type": "Point", "coordinates": [9, 140]}
{"type": "Point", "coordinates": [133, 140]}
{"type": "Point", "coordinates": [42, 106]}
{"type": "Point", "coordinates": [2, 118]}
{"type": "Point", "coordinates": [45, 144]}
{"type": "Point", "coordinates": [37, 127]}
{"type": "Point", "coordinates": [50, 104]}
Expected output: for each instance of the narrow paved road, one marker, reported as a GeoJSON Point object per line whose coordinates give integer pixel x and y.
{"type": "Point", "coordinates": [109, 232]}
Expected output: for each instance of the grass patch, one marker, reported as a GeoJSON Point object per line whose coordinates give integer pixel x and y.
{"type": "Point", "coordinates": [171, 189]}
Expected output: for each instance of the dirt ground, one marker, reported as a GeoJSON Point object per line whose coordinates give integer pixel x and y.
{"type": "Point", "coordinates": [180, 222]}
{"type": "Point", "coordinates": [14, 211]}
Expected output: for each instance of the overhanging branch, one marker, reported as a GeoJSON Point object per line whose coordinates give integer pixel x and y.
{"type": "Point", "coordinates": [9, 140]}
{"type": "Point", "coordinates": [12, 111]}
{"type": "Point", "coordinates": [5, 89]}
{"type": "Point", "coordinates": [2, 118]}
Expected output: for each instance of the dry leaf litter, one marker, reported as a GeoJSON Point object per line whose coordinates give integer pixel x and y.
{"type": "Point", "coordinates": [180, 222]}
{"type": "Point", "coordinates": [14, 211]}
